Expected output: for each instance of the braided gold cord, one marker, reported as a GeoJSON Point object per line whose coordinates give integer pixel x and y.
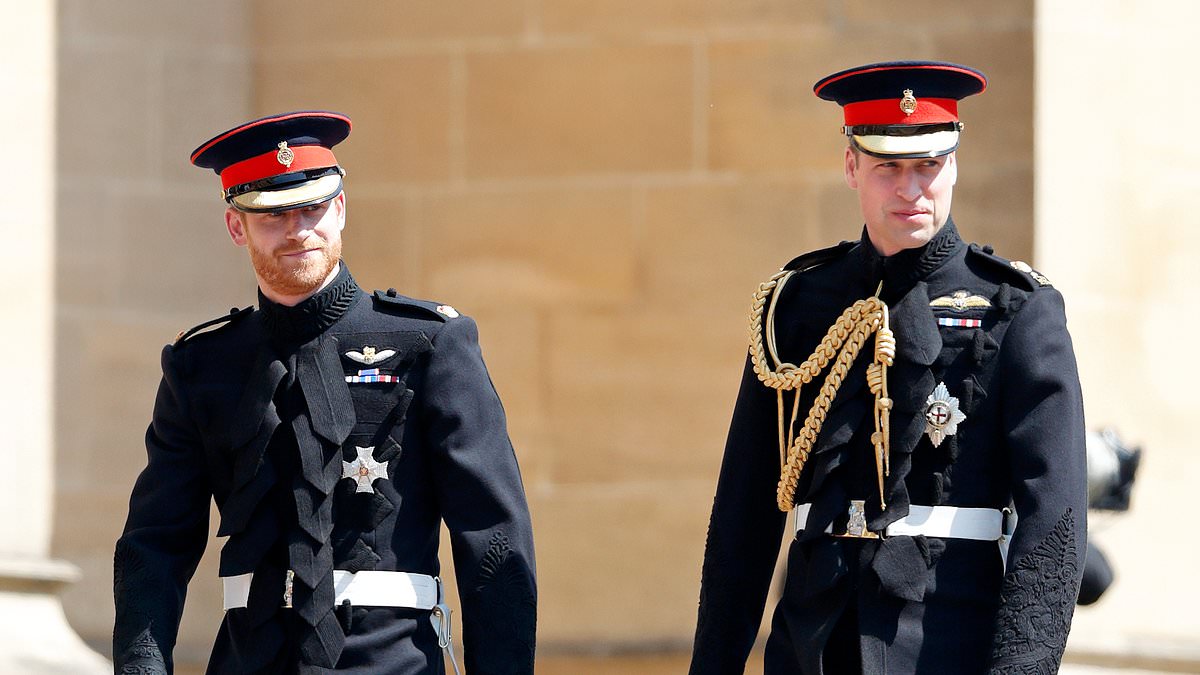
{"type": "Point", "coordinates": [841, 344]}
{"type": "Point", "coordinates": [789, 376]}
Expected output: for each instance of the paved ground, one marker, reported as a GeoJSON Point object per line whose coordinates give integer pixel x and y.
{"type": "Point", "coordinates": [677, 665]}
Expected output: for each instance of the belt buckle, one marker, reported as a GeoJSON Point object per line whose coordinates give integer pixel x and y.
{"type": "Point", "coordinates": [856, 526]}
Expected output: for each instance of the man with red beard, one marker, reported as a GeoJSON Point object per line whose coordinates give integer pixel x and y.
{"type": "Point", "coordinates": [335, 430]}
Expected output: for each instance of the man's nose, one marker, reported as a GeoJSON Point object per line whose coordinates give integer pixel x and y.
{"type": "Point", "coordinates": [299, 227]}
{"type": "Point", "coordinates": [908, 186]}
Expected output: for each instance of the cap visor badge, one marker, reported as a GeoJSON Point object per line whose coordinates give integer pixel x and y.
{"type": "Point", "coordinates": [285, 156]}
{"type": "Point", "coordinates": [942, 415]}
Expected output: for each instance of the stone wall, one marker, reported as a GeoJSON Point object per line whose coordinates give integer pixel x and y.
{"type": "Point", "coordinates": [141, 254]}
{"type": "Point", "coordinates": [601, 185]}
{"type": "Point", "coordinates": [1117, 232]}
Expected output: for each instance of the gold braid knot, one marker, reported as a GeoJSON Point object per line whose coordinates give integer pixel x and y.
{"type": "Point", "coordinates": [841, 345]}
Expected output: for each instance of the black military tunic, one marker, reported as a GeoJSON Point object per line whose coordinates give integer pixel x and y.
{"type": "Point", "coordinates": [262, 415]}
{"type": "Point", "coordinates": [909, 604]}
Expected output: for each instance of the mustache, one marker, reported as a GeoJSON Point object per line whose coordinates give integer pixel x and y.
{"type": "Point", "coordinates": [288, 250]}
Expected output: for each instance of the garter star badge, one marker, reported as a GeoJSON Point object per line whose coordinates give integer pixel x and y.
{"type": "Point", "coordinates": [364, 470]}
{"type": "Point", "coordinates": [285, 156]}
{"type": "Point", "coordinates": [909, 103]}
{"type": "Point", "coordinates": [942, 415]}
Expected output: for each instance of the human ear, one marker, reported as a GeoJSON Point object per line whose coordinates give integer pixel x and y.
{"type": "Point", "coordinates": [339, 203]}
{"type": "Point", "coordinates": [851, 168]}
{"type": "Point", "coordinates": [235, 223]}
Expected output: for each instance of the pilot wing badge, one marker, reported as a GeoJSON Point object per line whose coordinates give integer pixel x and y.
{"type": "Point", "coordinates": [961, 301]}
{"type": "Point", "coordinates": [369, 356]}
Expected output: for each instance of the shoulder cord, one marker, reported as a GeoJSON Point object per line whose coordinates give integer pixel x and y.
{"type": "Point", "coordinates": [841, 344]}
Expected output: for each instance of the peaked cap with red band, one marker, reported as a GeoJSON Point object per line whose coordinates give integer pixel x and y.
{"type": "Point", "coordinates": [279, 162]}
{"type": "Point", "coordinates": [902, 109]}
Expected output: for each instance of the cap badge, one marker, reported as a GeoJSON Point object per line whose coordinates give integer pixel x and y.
{"type": "Point", "coordinates": [364, 470]}
{"type": "Point", "coordinates": [285, 156]}
{"type": "Point", "coordinates": [942, 414]}
{"type": "Point", "coordinates": [909, 103]}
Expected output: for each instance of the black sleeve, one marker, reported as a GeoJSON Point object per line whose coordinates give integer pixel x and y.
{"type": "Point", "coordinates": [1044, 430]}
{"type": "Point", "coordinates": [743, 535]}
{"type": "Point", "coordinates": [482, 502]}
{"type": "Point", "coordinates": [164, 536]}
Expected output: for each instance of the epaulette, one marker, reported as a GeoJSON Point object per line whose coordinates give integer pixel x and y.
{"type": "Point", "coordinates": [1030, 279]}
{"type": "Point", "coordinates": [392, 300]}
{"type": "Point", "coordinates": [214, 324]}
{"type": "Point", "coordinates": [813, 259]}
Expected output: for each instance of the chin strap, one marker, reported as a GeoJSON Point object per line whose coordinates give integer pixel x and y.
{"type": "Point", "coordinates": [840, 345]}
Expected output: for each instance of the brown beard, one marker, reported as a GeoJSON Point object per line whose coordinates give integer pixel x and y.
{"type": "Point", "coordinates": [301, 277]}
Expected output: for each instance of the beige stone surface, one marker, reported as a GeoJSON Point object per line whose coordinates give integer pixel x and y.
{"type": "Point", "coordinates": [184, 25]}
{"type": "Point", "coordinates": [35, 636]}
{"type": "Point", "coordinates": [308, 25]}
{"type": "Point", "coordinates": [382, 242]}
{"type": "Point", "coordinates": [598, 583]}
{"type": "Point", "coordinates": [26, 400]}
{"type": "Point", "coordinates": [756, 225]}
{"type": "Point", "coordinates": [977, 14]}
{"type": "Point", "coordinates": [1116, 233]}
{"type": "Point", "coordinates": [992, 205]}
{"type": "Point", "coordinates": [141, 253]}
{"type": "Point", "coordinates": [611, 375]}
{"type": "Point", "coordinates": [400, 105]}
{"type": "Point", "coordinates": [191, 114]}
{"type": "Point", "coordinates": [111, 114]}
{"type": "Point", "coordinates": [999, 124]}
{"type": "Point", "coordinates": [530, 248]}
{"type": "Point", "coordinates": [190, 240]}
{"type": "Point", "coordinates": [762, 113]}
{"type": "Point", "coordinates": [636, 16]}
{"type": "Point", "coordinates": [579, 110]}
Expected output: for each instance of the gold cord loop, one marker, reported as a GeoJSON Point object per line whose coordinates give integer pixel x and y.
{"type": "Point", "coordinates": [841, 345]}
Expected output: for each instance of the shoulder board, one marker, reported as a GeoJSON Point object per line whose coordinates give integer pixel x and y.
{"type": "Point", "coordinates": [1027, 277]}
{"type": "Point", "coordinates": [392, 300]}
{"type": "Point", "coordinates": [820, 257]}
{"type": "Point", "coordinates": [214, 324]}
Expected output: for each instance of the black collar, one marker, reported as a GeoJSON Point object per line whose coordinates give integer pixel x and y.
{"type": "Point", "coordinates": [311, 317]}
{"type": "Point", "coordinates": [900, 271]}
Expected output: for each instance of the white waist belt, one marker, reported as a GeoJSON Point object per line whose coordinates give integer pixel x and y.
{"type": "Point", "coordinates": [363, 589]}
{"type": "Point", "coordinates": [948, 522]}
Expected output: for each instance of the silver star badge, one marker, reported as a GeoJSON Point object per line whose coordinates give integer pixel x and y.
{"type": "Point", "coordinates": [942, 414]}
{"type": "Point", "coordinates": [364, 470]}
